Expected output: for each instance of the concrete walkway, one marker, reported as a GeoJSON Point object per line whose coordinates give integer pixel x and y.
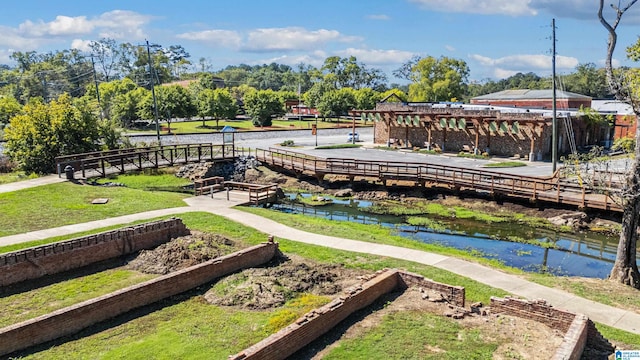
{"type": "Point", "coordinates": [222, 204]}
{"type": "Point", "coordinates": [24, 184]}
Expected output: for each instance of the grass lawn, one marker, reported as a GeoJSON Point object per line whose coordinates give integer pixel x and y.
{"type": "Point", "coordinates": [505, 164]}
{"type": "Point", "coordinates": [67, 203]}
{"type": "Point", "coordinates": [197, 126]}
{"type": "Point", "coordinates": [14, 176]}
{"type": "Point", "coordinates": [196, 329]}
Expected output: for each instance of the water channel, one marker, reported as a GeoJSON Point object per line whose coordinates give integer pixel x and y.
{"type": "Point", "coordinates": [572, 254]}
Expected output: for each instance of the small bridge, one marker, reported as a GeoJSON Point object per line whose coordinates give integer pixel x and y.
{"type": "Point", "coordinates": [550, 189]}
{"type": "Point", "coordinates": [103, 163]}
{"type": "Point", "coordinates": [259, 194]}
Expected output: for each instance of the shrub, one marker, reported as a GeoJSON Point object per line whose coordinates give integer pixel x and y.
{"type": "Point", "coordinates": [626, 144]}
{"type": "Point", "coordinates": [287, 143]}
{"type": "Point", "coordinates": [6, 165]}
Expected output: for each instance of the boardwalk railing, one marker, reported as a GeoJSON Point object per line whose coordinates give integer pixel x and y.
{"type": "Point", "coordinates": [258, 194]}
{"type": "Point", "coordinates": [547, 189]}
{"type": "Point", "coordinates": [102, 163]}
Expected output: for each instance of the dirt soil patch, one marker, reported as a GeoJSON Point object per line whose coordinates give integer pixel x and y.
{"type": "Point", "coordinates": [181, 253]}
{"type": "Point", "coordinates": [272, 285]}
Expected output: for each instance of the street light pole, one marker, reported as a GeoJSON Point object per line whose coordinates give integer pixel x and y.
{"type": "Point", "coordinates": [153, 94]}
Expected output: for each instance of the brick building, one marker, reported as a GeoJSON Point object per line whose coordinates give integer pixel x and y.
{"type": "Point", "coordinates": [538, 99]}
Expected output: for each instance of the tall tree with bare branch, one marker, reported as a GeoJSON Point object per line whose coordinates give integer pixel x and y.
{"type": "Point", "coordinates": [625, 268]}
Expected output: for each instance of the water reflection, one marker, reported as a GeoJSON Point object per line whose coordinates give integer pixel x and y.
{"type": "Point", "coordinates": [588, 255]}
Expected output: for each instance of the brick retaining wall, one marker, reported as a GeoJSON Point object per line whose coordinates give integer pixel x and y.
{"type": "Point", "coordinates": [453, 294]}
{"type": "Point", "coordinates": [577, 328]}
{"type": "Point", "coordinates": [77, 317]}
{"type": "Point", "coordinates": [317, 322]}
{"type": "Point", "coordinates": [35, 262]}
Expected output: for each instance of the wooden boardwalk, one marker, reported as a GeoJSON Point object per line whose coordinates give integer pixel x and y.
{"type": "Point", "coordinates": [551, 189]}
{"type": "Point", "coordinates": [103, 163]}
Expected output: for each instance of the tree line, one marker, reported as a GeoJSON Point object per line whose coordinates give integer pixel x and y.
{"type": "Point", "coordinates": [110, 88]}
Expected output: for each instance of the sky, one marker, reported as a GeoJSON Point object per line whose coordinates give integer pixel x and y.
{"type": "Point", "coordinates": [496, 38]}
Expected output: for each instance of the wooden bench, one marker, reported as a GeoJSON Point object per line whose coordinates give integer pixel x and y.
{"type": "Point", "coordinates": [203, 186]}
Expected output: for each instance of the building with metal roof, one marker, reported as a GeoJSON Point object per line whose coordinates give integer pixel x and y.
{"type": "Point", "coordinates": [540, 99]}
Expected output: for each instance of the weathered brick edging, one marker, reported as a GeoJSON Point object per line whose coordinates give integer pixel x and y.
{"type": "Point", "coordinates": [317, 322]}
{"type": "Point", "coordinates": [578, 330]}
{"type": "Point", "coordinates": [77, 317]}
{"type": "Point", "coordinates": [35, 262]}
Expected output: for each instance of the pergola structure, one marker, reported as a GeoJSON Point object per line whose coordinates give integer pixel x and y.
{"type": "Point", "coordinates": [453, 128]}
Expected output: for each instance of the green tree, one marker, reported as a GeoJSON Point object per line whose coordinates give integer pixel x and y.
{"type": "Point", "coordinates": [218, 104]}
{"type": "Point", "coordinates": [440, 79]}
{"type": "Point", "coordinates": [337, 103]}
{"type": "Point", "coordinates": [105, 54]}
{"type": "Point", "coordinates": [348, 72]}
{"type": "Point", "coordinates": [262, 105]}
{"type": "Point", "coordinates": [367, 98]}
{"type": "Point", "coordinates": [588, 80]}
{"type": "Point", "coordinates": [126, 108]}
{"type": "Point", "coordinates": [173, 101]}
{"type": "Point", "coordinates": [44, 131]}
{"type": "Point", "coordinates": [9, 107]}
{"type": "Point", "coordinates": [109, 91]}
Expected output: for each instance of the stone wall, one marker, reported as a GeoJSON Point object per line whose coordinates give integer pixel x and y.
{"type": "Point", "coordinates": [35, 262]}
{"type": "Point", "coordinates": [578, 329]}
{"type": "Point", "coordinates": [77, 317]}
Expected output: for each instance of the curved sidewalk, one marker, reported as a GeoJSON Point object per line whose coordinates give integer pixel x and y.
{"type": "Point", "coordinates": [219, 205]}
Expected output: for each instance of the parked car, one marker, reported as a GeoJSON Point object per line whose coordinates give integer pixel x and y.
{"type": "Point", "coordinates": [350, 137]}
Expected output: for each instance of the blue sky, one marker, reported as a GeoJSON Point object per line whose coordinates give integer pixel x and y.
{"type": "Point", "coordinates": [496, 38]}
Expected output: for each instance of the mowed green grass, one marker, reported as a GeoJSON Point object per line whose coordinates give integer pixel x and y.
{"type": "Point", "coordinates": [196, 126]}
{"type": "Point", "coordinates": [187, 327]}
{"type": "Point", "coordinates": [67, 203]}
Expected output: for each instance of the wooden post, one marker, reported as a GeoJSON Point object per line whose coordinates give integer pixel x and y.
{"type": "Point", "coordinates": [477, 151]}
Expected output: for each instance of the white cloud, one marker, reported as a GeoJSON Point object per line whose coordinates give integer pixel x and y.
{"type": "Point", "coordinates": [11, 38]}
{"type": "Point", "coordinates": [82, 45]}
{"type": "Point", "coordinates": [450, 48]}
{"type": "Point", "coordinates": [62, 25]}
{"type": "Point", "coordinates": [503, 7]}
{"type": "Point", "coordinates": [315, 58]}
{"type": "Point", "coordinates": [378, 17]}
{"type": "Point", "coordinates": [222, 38]}
{"type": "Point", "coordinates": [116, 24]}
{"type": "Point", "coordinates": [526, 63]}
{"type": "Point", "coordinates": [376, 56]}
{"type": "Point", "coordinates": [291, 38]}
{"type": "Point", "coordinates": [503, 74]}
{"type": "Point", "coordinates": [4, 55]}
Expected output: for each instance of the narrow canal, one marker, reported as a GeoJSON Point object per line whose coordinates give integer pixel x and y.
{"type": "Point", "coordinates": [570, 254]}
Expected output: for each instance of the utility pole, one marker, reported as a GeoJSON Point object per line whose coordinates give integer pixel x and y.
{"type": "Point", "coordinates": [554, 120]}
{"type": "Point", "coordinates": [153, 94]}
{"type": "Point", "coordinates": [95, 81]}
